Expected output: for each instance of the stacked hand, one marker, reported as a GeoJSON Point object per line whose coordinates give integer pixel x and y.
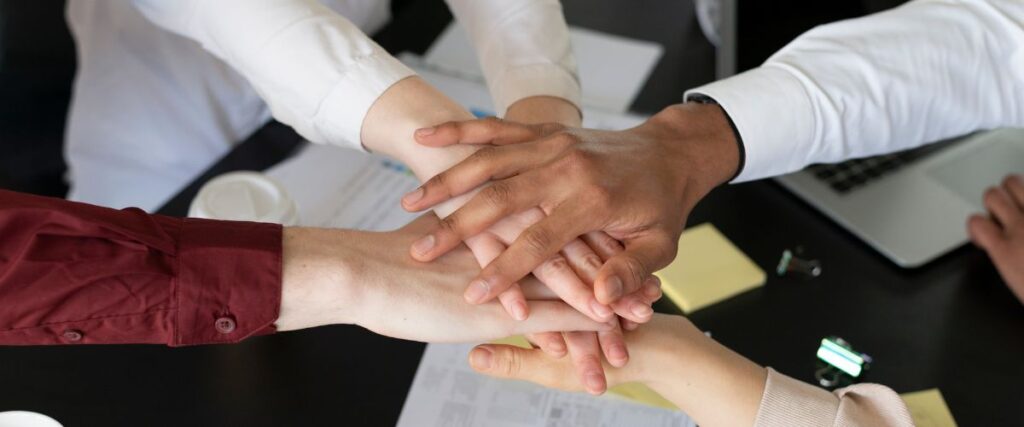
{"type": "Point", "coordinates": [368, 279]}
{"type": "Point", "coordinates": [636, 186]}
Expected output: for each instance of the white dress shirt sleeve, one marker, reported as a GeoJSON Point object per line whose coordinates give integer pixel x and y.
{"type": "Point", "coordinates": [316, 70]}
{"type": "Point", "coordinates": [926, 71]}
{"type": "Point", "coordinates": [523, 46]}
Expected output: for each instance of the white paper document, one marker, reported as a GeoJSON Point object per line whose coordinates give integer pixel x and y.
{"type": "Point", "coordinates": [343, 188]}
{"type": "Point", "coordinates": [612, 69]}
{"type": "Point", "coordinates": [448, 393]}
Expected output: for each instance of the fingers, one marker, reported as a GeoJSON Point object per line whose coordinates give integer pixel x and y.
{"type": "Point", "coordinates": [985, 233]}
{"type": "Point", "coordinates": [511, 362]}
{"type": "Point", "coordinates": [613, 344]}
{"type": "Point", "coordinates": [1014, 186]}
{"type": "Point", "coordinates": [1003, 209]}
{"type": "Point", "coordinates": [553, 316]}
{"type": "Point", "coordinates": [585, 353]}
{"type": "Point", "coordinates": [551, 343]}
{"type": "Point", "coordinates": [533, 247]}
{"type": "Point", "coordinates": [491, 130]}
{"type": "Point", "coordinates": [604, 245]}
{"type": "Point", "coordinates": [626, 272]}
{"type": "Point", "coordinates": [493, 203]}
{"type": "Point", "coordinates": [514, 302]}
{"type": "Point", "coordinates": [485, 165]}
{"type": "Point", "coordinates": [563, 281]}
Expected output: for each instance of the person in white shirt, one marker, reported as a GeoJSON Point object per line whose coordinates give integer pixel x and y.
{"type": "Point", "coordinates": [925, 71]}
{"type": "Point", "coordinates": [165, 87]}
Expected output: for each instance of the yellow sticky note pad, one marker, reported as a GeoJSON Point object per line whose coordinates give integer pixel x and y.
{"type": "Point", "coordinates": [928, 409]}
{"type": "Point", "coordinates": [708, 269]}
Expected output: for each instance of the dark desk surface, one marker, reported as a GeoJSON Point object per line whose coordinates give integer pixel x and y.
{"type": "Point", "coordinates": [951, 324]}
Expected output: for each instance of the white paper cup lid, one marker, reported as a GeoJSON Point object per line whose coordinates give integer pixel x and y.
{"type": "Point", "coordinates": [244, 196]}
{"type": "Point", "coordinates": [26, 419]}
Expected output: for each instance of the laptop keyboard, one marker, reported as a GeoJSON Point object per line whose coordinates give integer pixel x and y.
{"type": "Point", "coordinates": [853, 174]}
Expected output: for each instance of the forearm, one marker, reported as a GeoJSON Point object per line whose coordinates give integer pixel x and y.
{"type": "Point", "coordinates": [72, 273]}
{"type": "Point", "coordinates": [709, 382]}
{"type": "Point", "coordinates": [524, 49]}
{"type": "Point", "coordinates": [923, 72]}
{"type": "Point", "coordinates": [316, 70]}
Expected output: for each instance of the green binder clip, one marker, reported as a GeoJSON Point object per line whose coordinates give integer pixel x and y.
{"type": "Point", "coordinates": [839, 364]}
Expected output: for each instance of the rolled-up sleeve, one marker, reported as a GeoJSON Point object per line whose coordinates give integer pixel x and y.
{"type": "Point", "coordinates": [316, 70]}
{"type": "Point", "coordinates": [791, 403]}
{"type": "Point", "coordinates": [524, 48]}
{"type": "Point", "coordinates": [72, 273]}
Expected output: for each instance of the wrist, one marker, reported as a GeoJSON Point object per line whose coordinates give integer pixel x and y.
{"type": "Point", "coordinates": [544, 109]}
{"type": "Point", "coordinates": [319, 282]}
{"type": "Point", "coordinates": [699, 138]}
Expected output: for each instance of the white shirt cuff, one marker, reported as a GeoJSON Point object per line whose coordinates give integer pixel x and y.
{"type": "Point", "coordinates": [773, 115]}
{"type": "Point", "coordinates": [339, 121]}
{"type": "Point", "coordinates": [535, 80]}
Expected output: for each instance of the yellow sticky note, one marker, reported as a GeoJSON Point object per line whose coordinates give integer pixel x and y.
{"type": "Point", "coordinates": [708, 269]}
{"type": "Point", "coordinates": [928, 409]}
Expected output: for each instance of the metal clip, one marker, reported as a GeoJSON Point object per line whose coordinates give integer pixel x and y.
{"type": "Point", "coordinates": [789, 264]}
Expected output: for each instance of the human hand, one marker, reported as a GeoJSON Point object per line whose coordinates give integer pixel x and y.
{"type": "Point", "coordinates": [712, 384]}
{"type": "Point", "coordinates": [637, 186]}
{"type": "Point", "coordinates": [1001, 232]}
{"type": "Point", "coordinates": [569, 274]}
{"type": "Point", "coordinates": [368, 279]}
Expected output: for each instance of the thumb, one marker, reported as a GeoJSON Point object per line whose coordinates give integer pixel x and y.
{"type": "Point", "coordinates": [626, 271]}
{"type": "Point", "coordinates": [511, 362]}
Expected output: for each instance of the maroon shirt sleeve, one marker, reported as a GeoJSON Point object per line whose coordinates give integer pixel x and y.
{"type": "Point", "coordinates": [77, 273]}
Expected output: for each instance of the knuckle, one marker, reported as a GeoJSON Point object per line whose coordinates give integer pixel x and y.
{"type": "Point", "coordinates": [592, 261]}
{"type": "Point", "coordinates": [537, 240]}
{"type": "Point", "coordinates": [1012, 181]}
{"type": "Point", "coordinates": [498, 194]}
{"type": "Point", "coordinates": [450, 224]}
{"type": "Point", "coordinates": [556, 265]}
{"type": "Point", "coordinates": [635, 269]}
{"type": "Point", "coordinates": [511, 363]}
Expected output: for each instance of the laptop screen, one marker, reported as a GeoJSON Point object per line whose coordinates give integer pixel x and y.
{"type": "Point", "coordinates": [763, 27]}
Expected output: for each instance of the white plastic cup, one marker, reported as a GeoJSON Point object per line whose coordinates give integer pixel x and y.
{"type": "Point", "coordinates": [244, 196]}
{"type": "Point", "coordinates": [26, 419]}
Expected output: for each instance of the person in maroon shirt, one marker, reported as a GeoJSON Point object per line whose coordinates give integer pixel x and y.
{"type": "Point", "coordinates": [72, 273]}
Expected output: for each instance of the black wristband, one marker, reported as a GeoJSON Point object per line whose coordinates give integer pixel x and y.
{"type": "Point", "coordinates": [704, 99]}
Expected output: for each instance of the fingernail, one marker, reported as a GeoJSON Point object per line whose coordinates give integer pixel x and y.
{"type": "Point", "coordinates": [594, 382]}
{"type": "Point", "coordinates": [425, 131]}
{"type": "Point", "coordinates": [519, 311]}
{"type": "Point", "coordinates": [477, 291]}
{"type": "Point", "coordinates": [614, 287]}
{"type": "Point", "coordinates": [424, 245]}
{"type": "Point", "coordinates": [481, 358]}
{"type": "Point", "coordinates": [413, 196]}
{"type": "Point", "coordinates": [618, 352]}
{"type": "Point", "coordinates": [641, 310]}
{"type": "Point", "coordinates": [601, 310]}
{"type": "Point", "coordinates": [652, 290]}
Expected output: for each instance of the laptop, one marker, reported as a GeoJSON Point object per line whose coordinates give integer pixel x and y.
{"type": "Point", "coordinates": [910, 206]}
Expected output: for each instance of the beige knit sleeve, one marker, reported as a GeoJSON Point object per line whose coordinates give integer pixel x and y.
{"type": "Point", "coordinates": [788, 402]}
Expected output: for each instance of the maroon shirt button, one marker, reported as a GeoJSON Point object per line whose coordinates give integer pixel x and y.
{"type": "Point", "coordinates": [73, 335]}
{"type": "Point", "coordinates": [225, 325]}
